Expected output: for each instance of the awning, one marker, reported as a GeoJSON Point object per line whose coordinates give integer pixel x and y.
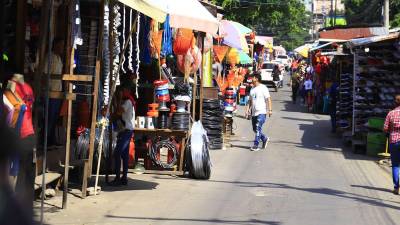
{"type": "Point", "coordinates": [320, 46]}
{"type": "Point", "coordinates": [264, 40]}
{"type": "Point", "coordinates": [365, 41]}
{"type": "Point", "coordinates": [303, 50]}
{"type": "Point", "coordinates": [189, 14]}
{"type": "Point", "coordinates": [155, 9]}
{"type": "Point", "coordinates": [233, 36]}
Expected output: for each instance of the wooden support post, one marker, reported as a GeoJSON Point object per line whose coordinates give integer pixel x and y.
{"type": "Point", "coordinates": [202, 79]}
{"type": "Point", "coordinates": [182, 155]}
{"type": "Point", "coordinates": [68, 143]}
{"type": "Point", "coordinates": [194, 97]}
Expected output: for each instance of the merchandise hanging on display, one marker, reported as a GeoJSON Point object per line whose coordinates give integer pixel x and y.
{"type": "Point", "coordinates": [137, 54]}
{"type": "Point", "coordinates": [106, 55]}
{"type": "Point", "coordinates": [199, 157]}
{"type": "Point", "coordinates": [116, 44]}
{"type": "Point", "coordinates": [180, 121]}
{"type": "Point", "coordinates": [164, 153]}
{"type": "Point", "coordinates": [123, 36]}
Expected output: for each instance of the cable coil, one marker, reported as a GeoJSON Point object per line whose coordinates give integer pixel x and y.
{"type": "Point", "coordinates": [155, 150]}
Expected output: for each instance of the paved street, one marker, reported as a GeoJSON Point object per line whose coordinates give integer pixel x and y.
{"type": "Point", "coordinates": [303, 178]}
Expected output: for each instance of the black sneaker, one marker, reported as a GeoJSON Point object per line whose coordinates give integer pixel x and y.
{"type": "Point", "coordinates": [255, 148]}
{"type": "Point", "coordinates": [265, 143]}
{"type": "Point", "coordinates": [396, 191]}
{"type": "Point", "coordinates": [124, 181]}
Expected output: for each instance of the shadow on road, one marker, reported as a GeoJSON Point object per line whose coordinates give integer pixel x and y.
{"type": "Point", "coordinates": [189, 220]}
{"type": "Point", "coordinates": [133, 185]}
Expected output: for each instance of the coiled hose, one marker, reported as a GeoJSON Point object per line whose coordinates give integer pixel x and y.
{"type": "Point", "coordinates": [155, 150]}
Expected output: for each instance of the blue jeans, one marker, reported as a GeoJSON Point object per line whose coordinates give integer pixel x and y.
{"type": "Point", "coordinates": [258, 122]}
{"type": "Point", "coordinates": [395, 158]}
{"type": "Point", "coordinates": [122, 152]}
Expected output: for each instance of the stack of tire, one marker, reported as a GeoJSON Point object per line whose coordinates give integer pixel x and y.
{"type": "Point", "coordinates": [213, 116]}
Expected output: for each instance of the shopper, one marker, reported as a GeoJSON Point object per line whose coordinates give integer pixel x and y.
{"type": "Point", "coordinates": [259, 98]}
{"type": "Point", "coordinates": [295, 83]}
{"type": "Point", "coordinates": [125, 120]}
{"type": "Point", "coordinates": [308, 86]}
{"type": "Point", "coordinates": [392, 127]}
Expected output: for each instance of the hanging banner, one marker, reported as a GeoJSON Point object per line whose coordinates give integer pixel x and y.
{"type": "Point", "coordinates": [207, 70]}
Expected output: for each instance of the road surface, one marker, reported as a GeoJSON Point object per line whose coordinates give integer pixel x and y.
{"type": "Point", "coordinates": [303, 178]}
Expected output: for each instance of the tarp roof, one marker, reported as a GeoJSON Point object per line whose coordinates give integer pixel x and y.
{"type": "Point", "coordinates": [351, 33]}
{"type": "Point", "coordinates": [365, 41]}
{"type": "Point", "coordinates": [189, 14]}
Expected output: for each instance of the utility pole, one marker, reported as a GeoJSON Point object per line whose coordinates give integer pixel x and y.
{"type": "Point", "coordinates": [386, 14]}
{"type": "Point", "coordinates": [335, 15]}
{"type": "Point", "coordinates": [331, 14]}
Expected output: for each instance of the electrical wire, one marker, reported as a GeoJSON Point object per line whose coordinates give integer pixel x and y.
{"type": "Point", "coordinates": [155, 153]}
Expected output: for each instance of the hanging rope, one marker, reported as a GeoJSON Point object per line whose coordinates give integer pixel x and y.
{"type": "Point", "coordinates": [167, 39]}
{"type": "Point", "coordinates": [137, 54]}
{"type": "Point", "coordinates": [130, 60]}
{"type": "Point", "coordinates": [104, 121]}
{"type": "Point", "coordinates": [123, 36]}
{"type": "Point", "coordinates": [106, 55]}
{"type": "Point", "coordinates": [117, 45]}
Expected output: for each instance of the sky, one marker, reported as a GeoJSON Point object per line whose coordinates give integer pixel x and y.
{"type": "Point", "coordinates": [308, 4]}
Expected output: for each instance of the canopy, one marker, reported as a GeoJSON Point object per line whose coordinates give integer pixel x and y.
{"type": "Point", "coordinates": [237, 56]}
{"type": "Point", "coordinates": [303, 50]}
{"type": "Point", "coordinates": [233, 36]}
{"type": "Point", "coordinates": [243, 29]}
{"type": "Point", "coordinates": [183, 13]}
{"type": "Point", "coordinates": [365, 41]}
{"type": "Point", "coordinates": [320, 46]}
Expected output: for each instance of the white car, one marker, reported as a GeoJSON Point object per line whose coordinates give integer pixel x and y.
{"type": "Point", "coordinates": [267, 77]}
{"type": "Point", "coordinates": [285, 60]}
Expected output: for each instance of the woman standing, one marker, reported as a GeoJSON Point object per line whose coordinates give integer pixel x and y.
{"type": "Point", "coordinates": [125, 119]}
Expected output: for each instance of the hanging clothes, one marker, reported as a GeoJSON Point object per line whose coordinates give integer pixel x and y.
{"type": "Point", "coordinates": [24, 90]}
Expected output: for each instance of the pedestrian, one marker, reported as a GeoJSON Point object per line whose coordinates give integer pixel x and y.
{"type": "Point", "coordinates": [392, 127]}
{"type": "Point", "coordinates": [125, 119]}
{"type": "Point", "coordinates": [257, 108]}
{"type": "Point", "coordinates": [308, 87]}
{"type": "Point", "coordinates": [295, 83]}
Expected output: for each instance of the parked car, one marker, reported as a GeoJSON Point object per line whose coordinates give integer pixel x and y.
{"type": "Point", "coordinates": [267, 76]}
{"type": "Point", "coordinates": [285, 61]}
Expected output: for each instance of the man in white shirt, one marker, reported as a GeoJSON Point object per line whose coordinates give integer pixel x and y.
{"type": "Point", "coordinates": [257, 108]}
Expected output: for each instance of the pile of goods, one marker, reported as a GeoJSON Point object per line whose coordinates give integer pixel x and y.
{"type": "Point", "coordinates": [212, 121]}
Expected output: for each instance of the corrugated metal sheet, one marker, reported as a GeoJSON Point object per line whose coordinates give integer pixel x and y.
{"type": "Point", "coordinates": [352, 33]}
{"type": "Point", "coordinates": [365, 41]}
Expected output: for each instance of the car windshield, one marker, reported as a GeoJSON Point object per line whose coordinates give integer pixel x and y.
{"type": "Point", "coordinates": [282, 57]}
{"type": "Point", "coordinates": [268, 66]}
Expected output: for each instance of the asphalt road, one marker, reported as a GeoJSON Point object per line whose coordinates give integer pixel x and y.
{"type": "Point", "coordinates": [303, 178]}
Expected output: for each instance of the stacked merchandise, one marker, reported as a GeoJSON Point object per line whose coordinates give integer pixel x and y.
{"type": "Point", "coordinates": [376, 82]}
{"type": "Point", "coordinates": [345, 103]}
{"type": "Point", "coordinates": [212, 121]}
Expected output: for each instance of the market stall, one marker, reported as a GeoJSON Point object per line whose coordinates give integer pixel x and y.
{"type": "Point", "coordinates": [375, 82]}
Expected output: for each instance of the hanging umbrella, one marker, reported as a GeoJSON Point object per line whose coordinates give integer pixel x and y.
{"type": "Point", "coordinates": [189, 14]}
{"type": "Point", "coordinates": [238, 57]}
{"type": "Point", "coordinates": [233, 36]}
{"type": "Point", "coordinates": [303, 50]}
{"type": "Point", "coordinates": [243, 29]}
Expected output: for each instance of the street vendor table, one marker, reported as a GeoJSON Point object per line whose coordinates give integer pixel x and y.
{"type": "Point", "coordinates": [183, 135]}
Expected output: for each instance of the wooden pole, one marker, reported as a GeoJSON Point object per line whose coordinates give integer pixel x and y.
{"type": "Point", "coordinates": [68, 143]}
{"type": "Point", "coordinates": [89, 164]}
{"type": "Point", "coordinates": [202, 78]}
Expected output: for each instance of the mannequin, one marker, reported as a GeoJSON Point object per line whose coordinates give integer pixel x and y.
{"type": "Point", "coordinates": [20, 94]}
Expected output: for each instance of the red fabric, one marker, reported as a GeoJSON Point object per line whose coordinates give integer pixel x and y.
{"type": "Point", "coordinates": [126, 94]}
{"type": "Point", "coordinates": [392, 125]}
{"type": "Point", "coordinates": [25, 91]}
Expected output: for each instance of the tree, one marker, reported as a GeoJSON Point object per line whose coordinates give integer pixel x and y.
{"type": "Point", "coordinates": [369, 12]}
{"type": "Point", "coordinates": [287, 21]}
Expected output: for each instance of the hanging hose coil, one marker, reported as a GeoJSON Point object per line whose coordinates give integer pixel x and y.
{"type": "Point", "coordinates": [155, 153]}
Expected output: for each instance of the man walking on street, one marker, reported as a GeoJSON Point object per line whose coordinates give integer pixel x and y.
{"type": "Point", "coordinates": [392, 127]}
{"type": "Point", "coordinates": [257, 108]}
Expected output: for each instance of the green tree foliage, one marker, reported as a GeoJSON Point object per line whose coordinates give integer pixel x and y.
{"type": "Point", "coordinates": [369, 12]}
{"type": "Point", "coordinates": [287, 21]}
